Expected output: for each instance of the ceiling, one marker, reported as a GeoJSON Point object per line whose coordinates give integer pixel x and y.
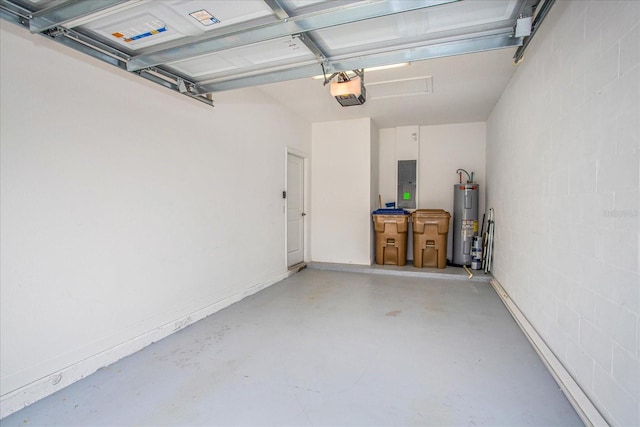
{"type": "Point", "coordinates": [464, 89]}
{"type": "Point", "coordinates": [459, 52]}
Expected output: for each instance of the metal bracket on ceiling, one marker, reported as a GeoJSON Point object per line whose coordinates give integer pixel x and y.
{"type": "Point", "coordinates": [327, 80]}
{"type": "Point", "coordinates": [359, 73]}
{"type": "Point", "coordinates": [175, 83]}
{"type": "Point", "coordinates": [540, 11]}
{"type": "Point", "coordinates": [182, 87]}
{"type": "Point", "coordinates": [56, 32]}
{"type": "Point", "coordinates": [87, 45]}
{"type": "Point", "coordinates": [343, 76]}
{"type": "Point", "coordinates": [278, 9]}
{"type": "Point", "coordinates": [311, 44]}
{"type": "Point", "coordinates": [284, 14]}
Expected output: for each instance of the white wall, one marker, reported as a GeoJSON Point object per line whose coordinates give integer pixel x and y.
{"type": "Point", "coordinates": [374, 177]}
{"type": "Point", "coordinates": [443, 149]}
{"type": "Point", "coordinates": [341, 203]}
{"type": "Point", "coordinates": [388, 168]}
{"type": "Point", "coordinates": [126, 209]}
{"type": "Point", "coordinates": [563, 149]}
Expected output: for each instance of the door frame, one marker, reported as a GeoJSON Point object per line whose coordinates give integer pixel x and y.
{"type": "Point", "coordinates": [305, 202]}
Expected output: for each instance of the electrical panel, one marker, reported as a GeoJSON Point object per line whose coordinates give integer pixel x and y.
{"type": "Point", "coordinates": [407, 173]}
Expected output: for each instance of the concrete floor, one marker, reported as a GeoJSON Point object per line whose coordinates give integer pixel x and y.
{"type": "Point", "coordinates": [328, 348]}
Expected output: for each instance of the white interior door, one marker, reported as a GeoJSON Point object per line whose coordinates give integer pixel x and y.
{"type": "Point", "coordinates": [295, 209]}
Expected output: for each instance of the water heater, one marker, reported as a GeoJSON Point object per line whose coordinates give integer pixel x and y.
{"type": "Point", "coordinates": [465, 221]}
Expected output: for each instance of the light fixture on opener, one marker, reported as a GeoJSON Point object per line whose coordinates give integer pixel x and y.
{"type": "Point", "coordinates": [348, 90]}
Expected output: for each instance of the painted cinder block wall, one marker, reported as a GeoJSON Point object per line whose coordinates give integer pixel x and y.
{"type": "Point", "coordinates": [563, 178]}
{"type": "Point", "coordinates": [127, 211]}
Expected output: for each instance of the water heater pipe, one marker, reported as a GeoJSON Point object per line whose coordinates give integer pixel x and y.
{"type": "Point", "coordinates": [469, 178]}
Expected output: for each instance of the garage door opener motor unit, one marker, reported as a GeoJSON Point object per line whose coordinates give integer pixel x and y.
{"type": "Point", "coordinates": [348, 89]}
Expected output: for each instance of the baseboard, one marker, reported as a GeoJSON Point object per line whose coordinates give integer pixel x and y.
{"type": "Point", "coordinates": [30, 393]}
{"type": "Point", "coordinates": [579, 400]}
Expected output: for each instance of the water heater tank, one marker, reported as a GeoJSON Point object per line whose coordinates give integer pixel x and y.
{"type": "Point", "coordinates": [465, 221]}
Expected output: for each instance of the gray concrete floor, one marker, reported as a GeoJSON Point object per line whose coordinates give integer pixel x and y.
{"type": "Point", "coordinates": [328, 348]}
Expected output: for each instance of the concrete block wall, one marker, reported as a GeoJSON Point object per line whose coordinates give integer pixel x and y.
{"type": "Point", "coordinates": [563, 176]}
